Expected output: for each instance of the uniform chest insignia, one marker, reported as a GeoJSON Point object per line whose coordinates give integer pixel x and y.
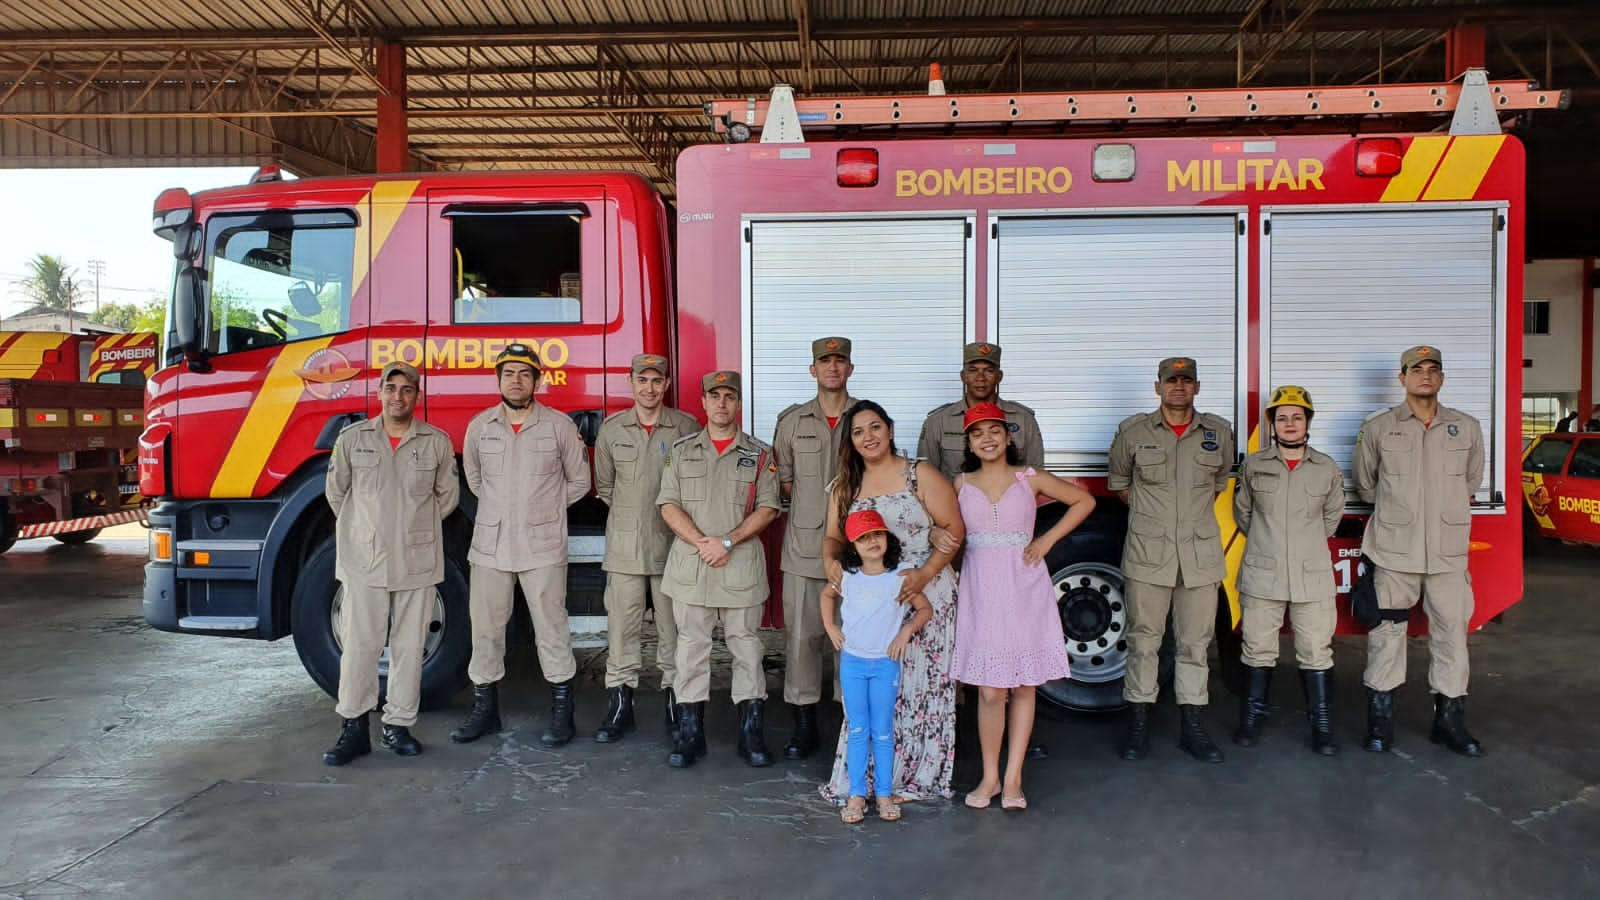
{"type": "Point", "coordinates": [623, 444]}
{"type": "Point", "coordinates": [1013, 427]}
{"type": "Point", "coordinates": [746, 462]}
{"type": "Point", "coordinates": [1210, 436]}
{"type": "Point", "coordinates": [1208, 445]}
{"type": "Point", "coordinates": [1148, 447]}
{"type": "Point", "coordinates": [807, 437]}
{"type": "Point", "coordinates": [1452, 430]}
{"type": "Point", "coordinates": [747, 454]}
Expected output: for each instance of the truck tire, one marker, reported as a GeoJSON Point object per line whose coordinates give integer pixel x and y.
{"type": "Point", "coordinates": [82, 507]}
{"type": "Point", "coordinates": [8, 530]}
{"type": "Point", "coordinates": [75, 538]}
{"type": "Point", "coordinates": [1086, 570]}
{"type": "Point", "coordinates": [446, 654]}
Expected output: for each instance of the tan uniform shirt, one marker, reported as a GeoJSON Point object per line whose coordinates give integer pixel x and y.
{"type": "Point", "coordinates": [808, 453]}
{"type": "Point", "coordinates": [1420, 482]}
{"type": "Point", "coordinates": [524, 481]}
{"type": "Point", "coordinates": [1172, 484]}
{"type": "Point", "coordinates": [715, 491]}
{"type": "Point", "coordinates": [944, 437]}
{"type": "Point", "coordinates": [390, 503]}
{"type": "Point", "coordinates": [1287, 518]}
{"type": "Point", "coordinates": [627, 477]}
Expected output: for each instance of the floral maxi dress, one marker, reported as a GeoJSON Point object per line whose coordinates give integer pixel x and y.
{"type": "Point", "coordinates": [925, 713]}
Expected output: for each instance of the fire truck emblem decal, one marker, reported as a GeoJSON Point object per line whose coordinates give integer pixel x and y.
{"type": "Point", "coordinates": [327, 374]}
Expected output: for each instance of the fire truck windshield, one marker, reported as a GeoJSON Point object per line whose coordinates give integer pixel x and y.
{"type": "Point", "coordinates": [276, 278]}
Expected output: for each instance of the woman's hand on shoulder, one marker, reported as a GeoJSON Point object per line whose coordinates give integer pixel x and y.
{"type": "Point", "coordinates": [912, 581]}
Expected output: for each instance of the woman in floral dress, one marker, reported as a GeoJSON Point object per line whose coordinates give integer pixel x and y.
{"type": "Point", "coordinates": [917, 503]}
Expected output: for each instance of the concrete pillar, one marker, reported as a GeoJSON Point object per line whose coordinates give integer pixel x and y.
{"type": "Point", "coordinates": [1464, 49]}
{"type": "Point", "coordinates": [394, 140]}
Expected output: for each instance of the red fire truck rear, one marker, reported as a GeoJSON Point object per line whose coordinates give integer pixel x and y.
{"type": "Point", "coordinates": [71, 410]}
{"type": "Point", "coordinates": [1304, 259]}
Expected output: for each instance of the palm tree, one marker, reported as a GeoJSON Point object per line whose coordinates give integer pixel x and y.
{"type": "Point", "coordinates": [51, 283]}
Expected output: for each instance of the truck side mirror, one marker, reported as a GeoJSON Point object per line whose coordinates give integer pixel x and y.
{"type": "Point", "coordinates": [188, 316]}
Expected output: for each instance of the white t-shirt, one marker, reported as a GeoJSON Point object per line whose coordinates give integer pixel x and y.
{"type": "Point", "coordinates": [869, 615]}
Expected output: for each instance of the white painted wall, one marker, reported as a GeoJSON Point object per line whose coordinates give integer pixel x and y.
{"type": "Point", "coordinates": [1557, 356]}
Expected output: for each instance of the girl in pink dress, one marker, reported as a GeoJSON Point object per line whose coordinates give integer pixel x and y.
{"type": "Point", "coordinates": [1008, 632]}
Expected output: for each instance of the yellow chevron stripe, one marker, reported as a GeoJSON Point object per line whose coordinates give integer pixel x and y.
{"type": "Point", "coordinates": [389, 199]}
{"type": "Point", "coordinates": [263, 424]}
{"type": "Point", "coordinates": [1464, 166]}
{"type": "Point", "coordinates": [1232, 538]}
{"type": "Point", "coordinates": [1420, 160]}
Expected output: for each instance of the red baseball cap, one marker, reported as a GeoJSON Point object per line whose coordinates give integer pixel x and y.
{"type": "Point", "coordinates": [982, 412]}
{"type": "Point", "coordinates": [862, 522]}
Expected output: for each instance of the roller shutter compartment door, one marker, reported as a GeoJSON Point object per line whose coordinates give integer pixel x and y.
{"type": "Point", "coordinates": [1087, 307]}
{"type": "Point", "coordinates": [1346, 292]}
{"type": "Point", "coordinates": [896, 287]}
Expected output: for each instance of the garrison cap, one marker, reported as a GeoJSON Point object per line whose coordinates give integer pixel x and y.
{"type": "Point", "coordinates": [830, 346]}
{"type": "Point", "coordinates": [645, 361]}
{"type": "Point", "coordinates": [402, 368]}
{"type": "Point", "coordinates": [1177, 365]}
{"type": "Point", "coordinates": [724, 378]}
{"type": "Point", "coordinates": [983, 351]}
{"type": "Point", "coordinates": [1420, 353]}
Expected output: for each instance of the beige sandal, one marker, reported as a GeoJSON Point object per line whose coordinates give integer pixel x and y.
{"type": "Point", "coordinates": [855, 809]}
{"type": "Point", "coordinates": [888, 810]}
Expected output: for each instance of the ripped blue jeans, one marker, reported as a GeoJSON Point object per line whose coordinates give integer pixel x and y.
{"type": "Point", "coordinates": [870, 687]}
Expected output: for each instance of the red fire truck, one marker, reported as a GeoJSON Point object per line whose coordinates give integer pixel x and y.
{"type": "Point", "coordinates": [71, 410]}
{"type": "Point", "coordinates": [1311, 259]}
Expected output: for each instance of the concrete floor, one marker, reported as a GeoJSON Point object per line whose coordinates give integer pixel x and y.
{"type": "Point", "coordinates": [134, 763]}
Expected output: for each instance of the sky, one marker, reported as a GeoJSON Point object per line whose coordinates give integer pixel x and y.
{"type": "Point", "coordinates": [88, 214]}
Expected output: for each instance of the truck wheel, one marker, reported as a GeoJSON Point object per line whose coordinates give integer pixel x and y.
{"type": "Point", "coordinates": [74, 538]}
{"type": "Point", "coordinates": [314, 614]}
{"type": "Point", "coordinates": [83, 506]}
{"type": "Point", "coordinates": [8, 530]}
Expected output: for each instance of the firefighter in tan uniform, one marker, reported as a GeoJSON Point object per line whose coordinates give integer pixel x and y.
{"type": "Point", "coordinates": [943, 439]}
{"type": "Point", "coordinates": [629, 455]}
{"type": "Point", "coordinates": [1419, 465]}
{"type": "Point", "coordinates": [719, 492]}
{"type": "Point", "coordinates": [525, 462]}
{"type": "Point", "coordinates": [391, 482]}
{"type": "Point", "coordinates": [806, 444]}
{"type": "Point", "coordinates": [1288, 502]}
{"type": "Point", "coordinates": [1169, 466]}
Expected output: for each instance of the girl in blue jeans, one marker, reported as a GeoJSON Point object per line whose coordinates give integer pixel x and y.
{"type": "Point", "coordinates": [871, 642]}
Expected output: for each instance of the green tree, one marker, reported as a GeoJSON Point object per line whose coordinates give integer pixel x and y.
{"type": "Point", "coordinates": [117, 315]}
{"type": "Point", "coordinates": [51, 283]}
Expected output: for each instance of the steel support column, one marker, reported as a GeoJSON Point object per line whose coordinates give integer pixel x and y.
{"type": "Point", "coordinates": [394, 151]}
{"type": "Point", "coordinates": [1464, 49]}
{"type": "Point", "coordinates": [1586, 354]}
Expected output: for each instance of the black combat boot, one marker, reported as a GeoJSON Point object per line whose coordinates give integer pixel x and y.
{"type": "Point", "coordinates": [1318, 684]}
{"type": "Point", "coordinates": [805, 740]}
{"type": "Point", "coordinates": [355, 739]}
{"type": "Point", "coordinates": [484, 717]}
{"type": "Point", "coordinates": [673, 709]}
{"type": "Point", "coordinates": [561, 728]}
{"type": "Point", "coordinates": [1137, 744]}
{"type": "Point", "coordinates": [1193, 738]}
{"type": "Point", "coordinates": [689, 744]}
{"type": "Point", "coordinates": [1380, 721]}
{"type": "Point", "coordinates": [1253, 706]}
{"type": "Point", "coordinates": [752, 737]}
{"type": "Point", "coordinates": [397, 739]}
{"type": "Point", "coordinates": [619, 716]}
{"type": "Point", "coordinates": [1450, 726]}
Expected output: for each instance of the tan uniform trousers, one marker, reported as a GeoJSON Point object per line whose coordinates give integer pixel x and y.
{"type": "Point", "coordinates": [625, 601]}
{"type": "Point", "coordinates": [369, 618]}
{"type": "Point", "coordinates": [739, 626]}
{"type": "Point", "coordinates": [1262, 621]}
{"type": "Point", "coordinates": [489, 602]}
{"type": "Point", "coordinates": [1447, 599]}
{"type": "Point", "coordinates": [807, 652]}
{"type": "Point", "coordinates": [1194, 619]}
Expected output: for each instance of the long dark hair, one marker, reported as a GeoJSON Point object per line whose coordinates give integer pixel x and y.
{"type": "Point", "coordinates": [971, 463]}
{"type": "Point", "coordinates": [851, 558]}
{"type": "Point", "coordinates": [851, 467]}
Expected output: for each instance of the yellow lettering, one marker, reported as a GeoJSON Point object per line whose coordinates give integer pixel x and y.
{"type": "Point", "coordinates": [1005, 181]}
{"type": "Point", "coordinates": [905, 183]}
{"type": "Point", "coordinates": [1059, 179]}
{"type": "Point", "coordinates": [1311, 174]}
{"type": "Point", "coordinates": [1258, 170]}
{"type": "Point", "coordinates": [409, 350]}
{"type": "Point", "coordinates": [1033, 180]}
{"type": "Point", "coordinates": [441, 355]}
{"type": "Point", "coordinates": [1283, 174]}
{"type": "Point", "coordinates": [555, 354]}
{"type": "Point", "coordinates": [1187, 177]}
{"type": "Point", "coordinates": [957, 182]}
{"type": "Point", "coordinates": [557, 378]}
{"type": "Point", "coordinates": [1218, 181]}
{"type": "Point", "coordinates": [923, 184]}
{"type": "Point", "coordinates": [492, 347]}
{"type": "Point", "coordinates": [469, 354]}
{"type": "Point", "coordinates": [382, 352]}
{"type": "Point", "coordinates": [982, 182]}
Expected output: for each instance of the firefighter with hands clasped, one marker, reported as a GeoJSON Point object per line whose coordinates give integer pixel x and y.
{"type": "Point", "coordinates": [806, 444]}
{"type": "Point", "coordinates": [1288, 502]}
{"type": "Point", "coordinates": [525, 462]}
{"type": "Point", "coordinates": [629, 455]}
{"type": "Point", "coordinates": [391, 482]}
{"type": "Point", "coordinates": [1419, 465]}
{"type": "Point", "coordinates": [719, 491]}
{"type": "Point", "coordinates": [1169, 466]}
